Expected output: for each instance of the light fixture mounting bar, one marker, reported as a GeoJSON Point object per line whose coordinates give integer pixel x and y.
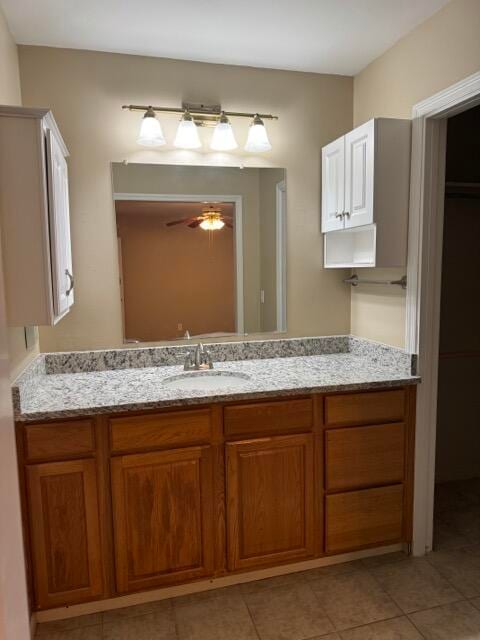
{"type": "Point", "coordinates": [211, 113]}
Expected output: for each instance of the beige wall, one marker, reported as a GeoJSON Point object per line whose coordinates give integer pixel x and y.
{"type": "Point", "coordinates": [10, 94]}
{"type": "Point", "coordinates": [14, 615]}
{"type": "Point", "coordinates": [9, 72]}
{"type": "Point", "coordinates": [86, 90]}
{"type": "Point", "coordinates": [440, 52]}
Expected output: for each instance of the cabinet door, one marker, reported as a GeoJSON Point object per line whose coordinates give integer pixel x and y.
{"type": "Point", "coordinates": [163, 517]}
{"type": "Point", "coordinates": [333, 185]}
{"type": "Point", "coordinates": [59, 222]}
{"type": "Point", "coordinates": [65, 532]}
{"type": "Point", "coordinates": [270, 504]}
{"type": "Point", "coordinates": [359, 172]}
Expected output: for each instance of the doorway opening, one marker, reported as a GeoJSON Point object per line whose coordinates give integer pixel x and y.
{"type": "Point", "coordinates": [457, 459]}
{"type": "Point", "coordinates": [424, 269]}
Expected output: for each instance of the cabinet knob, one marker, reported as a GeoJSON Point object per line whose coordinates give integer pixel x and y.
{"type": "Point", "coordinates": [346, 214]}
{"type": "Point", "coordinates": [72, 282]}
{"type": "Point", "coordinates": [338, 215]}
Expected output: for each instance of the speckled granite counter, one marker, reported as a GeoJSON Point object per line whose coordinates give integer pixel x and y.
{"type": "Point", "coordinates": [87, 383]}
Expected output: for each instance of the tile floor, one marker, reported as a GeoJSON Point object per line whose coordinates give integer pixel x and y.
{"type": "Point", "coordinates": [384, 598]}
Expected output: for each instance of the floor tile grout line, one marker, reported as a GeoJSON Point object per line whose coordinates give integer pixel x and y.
{"type": "Point", "coordinates": [384, 589]}
{"type": "Point", "coordinates": [445, 578]}
{"type": "Point", "coordinates": [462, 597]}
{"type": "Point", "coordinates": [339, 631]}
{"type": "Point", "coordinates": [413, 623]}
{"type": "Point", "coordinates": [321, 607]}
{"type": "Point", "coordinates": [367, 624]}
{"type": "Point", "coordinates": [257, 632]}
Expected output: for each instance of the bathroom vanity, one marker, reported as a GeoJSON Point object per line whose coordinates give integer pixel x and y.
{"type": "Point", "coordinates": [312, 457]}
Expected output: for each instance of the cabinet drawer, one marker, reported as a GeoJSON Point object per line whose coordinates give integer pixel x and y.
{"type": "Point", "coordinates": [365, 408]}
{"type": "Point", "coordinates": [364, 518]}
{"type": "Point", "coordinates": [268, 417]}
{"type": "Point", "coordinates": [58, 439]}
{"type": "Point", "coordinates": [364, 456]}
{"type": "Point", "coordinates": [160, 430]}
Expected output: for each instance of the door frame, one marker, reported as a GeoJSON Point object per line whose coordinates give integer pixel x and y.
{"type": "Point", "coordinates": [237, 202]}
{"type": "Point", "coordinates": [425, 237]}
{"type": "Point", "coordinates": [280, 253]}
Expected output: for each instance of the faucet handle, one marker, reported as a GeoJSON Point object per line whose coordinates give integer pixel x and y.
{"type": "Point", "coordinates": [188, 363]}
{"type": "Point", "coordinates": [207, 358]}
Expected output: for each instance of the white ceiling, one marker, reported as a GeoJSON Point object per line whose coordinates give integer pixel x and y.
{"type": "Point", "coordinates": [326, 36]}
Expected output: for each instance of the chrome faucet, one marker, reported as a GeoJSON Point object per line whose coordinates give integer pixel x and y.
{"type": "Point", "coordinates": [198, 359]}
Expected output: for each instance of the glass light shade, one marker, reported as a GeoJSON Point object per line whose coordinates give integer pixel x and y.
{"type": "Point", "coordinates": [257, 140]}
{"type": "Point", "coordinates": [223, 138]}
{"type": "Point", "coordinates": [212, 223]}
{"type": "Point", "coordinates": [151, 134]}
{"type": "Point", "coordinates": [187, 133]}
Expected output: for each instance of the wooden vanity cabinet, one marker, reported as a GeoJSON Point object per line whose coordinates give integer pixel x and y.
{"type": "Point", "coordinates": [122, 503]}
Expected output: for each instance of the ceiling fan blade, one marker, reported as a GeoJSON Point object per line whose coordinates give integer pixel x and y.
{"type": "Point", "coordinates": [230, 226]}
{"type": "Point", "coordinates": [194, 224]}
{"type": "Point", "coordinates": [174, 222]}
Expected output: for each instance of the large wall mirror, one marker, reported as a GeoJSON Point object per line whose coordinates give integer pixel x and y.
{"type": "Point", "coordinates": [201, 250]}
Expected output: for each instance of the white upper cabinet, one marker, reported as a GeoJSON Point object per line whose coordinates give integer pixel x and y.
{"type": "Point", "coordinates": [60, 246]}
{"type": "Point", "coordinates": [333, 179]}
{"type": "Point", "coordinates": [365, 197]}
{"type": "Point", "coordinates": [359, 166]}
{"type": "Point", "coordinates": [35, 221]}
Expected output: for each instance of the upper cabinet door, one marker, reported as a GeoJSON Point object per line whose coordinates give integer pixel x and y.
{"type": "Point", "coordinates": [59, 223]}
{"type": "Point", "coordinates": [359, 172]}
{"type": "Point", "coordinates": [333, 185]}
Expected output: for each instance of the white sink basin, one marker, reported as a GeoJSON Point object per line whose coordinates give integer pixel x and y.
{"type": "Point", "coordinates": [206, 380]}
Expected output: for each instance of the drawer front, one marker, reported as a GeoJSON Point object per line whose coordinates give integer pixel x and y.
{"type": "Point", "coordinates": [268, 417]}
{"type": "Point", "coordinates": [160, 430]}
{"type": "Point", "coordinates": [364, 518]}
{"type": "Point", "coordinates": [365, 408]}
{"type": "Point", "coordinates": [364, 456]}
{"type": "Point", "coordinates": [58, 439]}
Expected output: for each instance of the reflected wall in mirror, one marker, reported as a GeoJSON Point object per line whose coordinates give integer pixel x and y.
{"type": "Point", "coordinates": [201, 250]}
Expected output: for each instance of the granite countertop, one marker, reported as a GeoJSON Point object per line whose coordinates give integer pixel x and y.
{"type": "Point", "coordinates": [69, 385]}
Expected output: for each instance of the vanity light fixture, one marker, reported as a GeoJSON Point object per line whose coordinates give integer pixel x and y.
{"type": "Point", "coordinates": [187, 133]}
{"type": "Point", "coordinates": [257, 140]}
{"type": "Point", "coordinates": [151, 134]}
{"type": "Point", "coordinates": [200, 115]}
